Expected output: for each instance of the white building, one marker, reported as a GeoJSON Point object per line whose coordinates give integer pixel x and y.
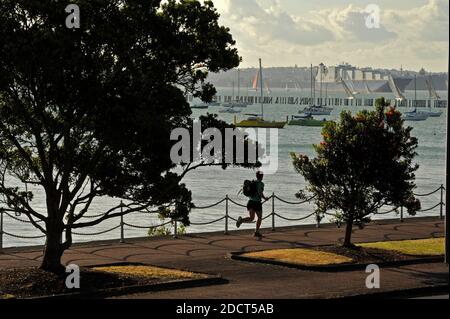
{"type": "Point", "coordinates": [359, 75]}
{"type": "Point", "coordinates": [377, 76]}
{"type": "Point", "coordinates": [332, 74]}
{"type": "Point", "coordinates": [348, 72]}
{"type": "Point", "coordinates": [368, 75]}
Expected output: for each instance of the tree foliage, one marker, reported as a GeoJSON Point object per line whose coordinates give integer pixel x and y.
{"type": "Point", "coordinates": [363, 163]}
{"type": "Point", "coordinates": [88, 112]}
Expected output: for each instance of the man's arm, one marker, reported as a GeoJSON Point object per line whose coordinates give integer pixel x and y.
{"type": "Point", "coordinates": [262, 194]}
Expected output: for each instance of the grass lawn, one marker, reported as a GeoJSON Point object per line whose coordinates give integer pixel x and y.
{"type": "Point", "coordinates": [363, 253]}
{"type": "Point", "coordinates": [421, 247]}
{"type": "Point", "coordinates": [301, 256]}
{"type": "Point", "coordinates": [34, 282]}
{"type": "Point", "coordinates": [149, 271]}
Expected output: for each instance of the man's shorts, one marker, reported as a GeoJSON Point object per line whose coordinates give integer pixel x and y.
{"type": "Point", "coordinates": [257, 207]}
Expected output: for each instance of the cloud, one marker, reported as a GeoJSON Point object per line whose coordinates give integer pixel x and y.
{"type": "Point", "coordinates": [283, 32]}
{"type": "Point", "coordinates": [428, 23]}
{"type": "Point", "coordinates": [248, 19]}
{"type": "Point", "coordinates": [349, 24]}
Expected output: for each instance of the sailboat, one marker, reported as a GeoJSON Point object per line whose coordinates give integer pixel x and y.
{"type": "Point", "coordinates": [231, 110]}
{"type": "Point", "coordinates": [314, 109]}
{"type": "Point", "coordinates": [257, 120]}
{"type": "Point", "coordinates": [255, 82]}
{"type": "Point", "coordinates": [268, 90]}
{"type": "Point", "coordinates": [433, 95]}
{"type": "Point", "coordinates": [202, 106]}
{"type": "Point", "coordinates": [235, 102]}
{"type": "Point", "coordinates": [414, 115]}
{"type": "Point", "coordinates": [266, 86]}
{"type": "Point", "coordinates": [432, 90]}
{"type": "Point", "coordinates": [306, 120]}
{"type": "Point", "coordinates": [231, 107]}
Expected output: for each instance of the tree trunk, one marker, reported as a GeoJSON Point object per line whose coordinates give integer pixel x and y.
{"type": "Point", "coordinates": [53, 251]}
{"type": "Point", "coordinates": [348, 234]}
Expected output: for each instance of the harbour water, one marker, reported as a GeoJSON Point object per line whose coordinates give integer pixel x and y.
{"type": "Point", "coordinates": [210, 185]}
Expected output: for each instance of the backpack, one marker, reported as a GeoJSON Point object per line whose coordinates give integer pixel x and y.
{"type": "Point", "coordinates": [249, 188]}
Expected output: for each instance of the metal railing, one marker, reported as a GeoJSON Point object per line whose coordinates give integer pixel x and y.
{"type": "Point", "coordinates": [225, 218]}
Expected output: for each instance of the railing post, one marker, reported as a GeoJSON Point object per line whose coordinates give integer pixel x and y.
{"type": "Point", "coordinates": [122, 231]}
{"type": "Point", "coordinates": [1, 229]}
{"type": "Point", "coordinates": [317, 221]}
{"type": "Point", "coordinates": [441, 214]}
{"type": "Point", "coordinates": [226, 215]}
{"type": "Point", "coordinates": [401, 214]}
{"type": "Point", "coordinates": [175, 229]}
{"type": "Point", "coordinates": [273, 211]}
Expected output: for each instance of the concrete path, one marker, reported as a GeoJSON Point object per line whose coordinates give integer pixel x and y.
{"type": "Point", "coordinates": [208, 253]}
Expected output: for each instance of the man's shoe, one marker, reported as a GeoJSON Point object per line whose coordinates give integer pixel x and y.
{"type": "Point", "coordinates": [239, 222]}
{"type": "Point", "coordinates": [258, 235]}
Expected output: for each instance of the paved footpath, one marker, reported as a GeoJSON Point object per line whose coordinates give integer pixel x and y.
{"type": "Point", "coordinates": [209, 253]}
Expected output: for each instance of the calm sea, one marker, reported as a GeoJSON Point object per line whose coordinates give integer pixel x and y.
{"type": "Point", "coordinates": [210, 185]}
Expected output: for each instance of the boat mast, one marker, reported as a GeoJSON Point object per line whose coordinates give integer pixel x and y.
{"type": "Point", "coordinates": [321, 78]}
{"type": "Point", "coordinates": [415, 91]}
{"type": "Point", "coordinates": [232, 98]}
{"type": "Point", "coordinates": [262, 90]}
{"type": "Point", "coordinates": [314, 87]}
{"type": "Point", "coordinates": [312, 97]}
{"type": "Point", "coordinates": [239, 85]}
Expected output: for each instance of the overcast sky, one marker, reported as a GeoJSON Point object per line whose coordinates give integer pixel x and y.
{"type": "Point", "coordinates": [412, 33]}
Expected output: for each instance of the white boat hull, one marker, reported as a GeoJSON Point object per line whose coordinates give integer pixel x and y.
{"type": "Point", "coordinates": [317, 110]}
{"type": "Point", "coordinates": [235, 104]}
{"type": "Point", "coordinates": [415, 117]}
{"type": "Point", "coordinates": [230, 110]}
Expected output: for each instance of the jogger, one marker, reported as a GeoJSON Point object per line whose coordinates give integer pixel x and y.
{"type": "Point", "coordinates": [254, 205]}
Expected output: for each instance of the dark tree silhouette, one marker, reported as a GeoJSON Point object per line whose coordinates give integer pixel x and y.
{"type": "Point", "coordinates": [88, 112]}
{"type": "Point", "coordinates": [364, 162]}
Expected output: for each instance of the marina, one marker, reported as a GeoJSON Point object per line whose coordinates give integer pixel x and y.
{"type": "Point", "coordinates": [210, 185]}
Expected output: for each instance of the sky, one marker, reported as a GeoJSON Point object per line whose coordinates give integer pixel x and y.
{"type": "Point", "coordinates": [412, 33]}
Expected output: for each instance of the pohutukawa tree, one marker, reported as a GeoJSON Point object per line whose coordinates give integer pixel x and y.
{"type": "Point", "coordinates": [364, 162]}
{"type": "Point", "coordinates": [88, 112]}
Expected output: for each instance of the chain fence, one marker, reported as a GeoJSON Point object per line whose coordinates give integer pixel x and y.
{"type": "Point", "coordinates": [225, 219]}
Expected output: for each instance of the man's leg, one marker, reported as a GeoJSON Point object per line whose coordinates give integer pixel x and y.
{"type": "Point", "coordinates": [259, 221]}
{"type": "Point", "coordinates": [251, 217]}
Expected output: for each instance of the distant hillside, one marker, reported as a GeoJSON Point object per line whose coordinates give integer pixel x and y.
{"type": "Point", "coordinates": [275, 77]}
{"type": "Point", "coordinates": [282, 77]}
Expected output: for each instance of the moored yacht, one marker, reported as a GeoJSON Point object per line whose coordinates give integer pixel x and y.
{"type": "Point", "coordinates": [257, 120]}
{"type": "Point", "coordinates": [316, 110]}
{"type": "Point", "coordinates": [415, 116]}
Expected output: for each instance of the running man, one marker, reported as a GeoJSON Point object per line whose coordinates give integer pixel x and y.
{"type": "Point", "coordinates": [254, 206]}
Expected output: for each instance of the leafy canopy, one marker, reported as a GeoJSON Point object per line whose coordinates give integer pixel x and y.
{"type": "Point", "coordinates": [363, 163]}
{"type": "Point", "coordinates": [88, 112]}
